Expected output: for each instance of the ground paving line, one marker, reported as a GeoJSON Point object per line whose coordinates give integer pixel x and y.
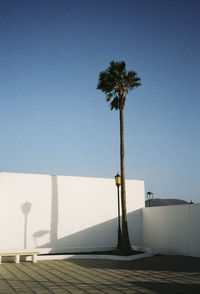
{"type": "Point", "coordinates": [170, 277]}
{"type": "Point", "coordinates": [46, 279]}
{"type": "Point", "coordinates": [6, 288]}
{"type": "Point", "coordinates": [70, 283]}
{"type": "Point", "coordinates": [126, 279]}
{"type": "Point", "coordinates": [99, 270]}
{"type": "Point", "coordinates": [124, 274]}
{"type": "Point", "coordinates": [114, 273]}
{"type": "Point", "coordinates": [32, 279]}
{"type": "Point", "coordinates": [22, 269]}
{"type": "Point", "coordinates": [74, 265]}
{"type": "Point", "coordinates": [42, 273]}
{"type": "Point", "coordinates": [7, 281]}
{"type": "Point", "coordinates": [72, 268]}
{"type": "Point", "coordinates": [109, 274]}
{"type": "Point", "coordinates": [63, 271]}
{"type": "Point", "coordinates": [126, 270]}
{"type": "Point", "coordinates": [62, 281]}
{"type": "Point", "coordinates": [14, 280]}
{"type": "Point", "coordinates": [97, 274]}
{"type": "Point", "coordinates": [16, 277]}
{"type": "Point", "coordinates": [29, 283]}
{"type": "Point", "coordinates": [131, 270]}
{"type": "Point", "coordinates": [19, 271]}
{"type": "Point", "coordinates": [117, 283]}
{"type": "Point", "coordinates": [47, 268]}
{"type": "Point", "coordinates": [5, 272]}
{"type": "Point", "coordinates": [113, 264]}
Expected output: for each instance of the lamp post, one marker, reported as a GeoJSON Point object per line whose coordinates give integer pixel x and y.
{"type": "Point", "coordinates": [118, 183]}
{"type": "Point", "coordinates": [149, 197]}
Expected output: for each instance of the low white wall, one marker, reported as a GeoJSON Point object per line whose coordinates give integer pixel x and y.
{"type": "Point", "coordinates": [57, 212]}
{"type": "Point", "coordinates": [167, 229]}
{"type": "Point", "coordinates": [172, 229]}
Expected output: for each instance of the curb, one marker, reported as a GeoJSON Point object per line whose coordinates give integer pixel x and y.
{"type": "Point", "coordinates": [91, 256]}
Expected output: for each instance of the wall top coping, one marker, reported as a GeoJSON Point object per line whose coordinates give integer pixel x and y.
{"type": "Point", "coordinates": [66, 176]}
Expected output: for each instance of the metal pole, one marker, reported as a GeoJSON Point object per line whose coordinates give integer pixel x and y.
{"type": "Point", "coordinates": [119, 224]}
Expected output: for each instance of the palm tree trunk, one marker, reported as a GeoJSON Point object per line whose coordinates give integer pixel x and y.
{"type": "Point", "coordinates": [126, 246]}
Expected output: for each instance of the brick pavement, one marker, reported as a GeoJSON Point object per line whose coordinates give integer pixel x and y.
{"type": "Point", "coordinates": [158, 274]}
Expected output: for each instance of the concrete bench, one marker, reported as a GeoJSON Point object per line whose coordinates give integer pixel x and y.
{"type": "Point", "coordinates": [18, 253]}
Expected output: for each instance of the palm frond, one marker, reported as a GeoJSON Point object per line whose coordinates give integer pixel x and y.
{"type": "Point", "coordinates": [109, 96]}
{"type": "Point", "coordinates": [114, 103]}
{"type": "Point", "coordinates": [116, 82]}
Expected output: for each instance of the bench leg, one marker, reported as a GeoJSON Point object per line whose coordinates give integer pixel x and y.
{"type": "Point", "coordinates": [34, 258]}
{"type": "Point", "coordinates": [17, 258]}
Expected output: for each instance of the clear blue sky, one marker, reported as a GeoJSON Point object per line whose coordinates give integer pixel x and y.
{"type": "Point", "coordinates": [54, 121]}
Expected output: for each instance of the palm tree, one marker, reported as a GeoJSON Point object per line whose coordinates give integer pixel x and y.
{"type": "Point", "coordinates": [116, 82]}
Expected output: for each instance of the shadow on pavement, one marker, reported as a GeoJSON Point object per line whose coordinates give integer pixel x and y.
{"type": "Point", "coordinates": [166, 288]}
{"type": "Point", "coordinates": [156, 263]}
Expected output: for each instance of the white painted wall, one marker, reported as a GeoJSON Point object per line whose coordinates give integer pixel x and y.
{"type": "Point", "coordinates": [58, 212]}
{"type": "Point", "coordinates": [135, 221]}
{"type": "Point", "coordinates": [167, 229]}
{"type": "Point", "coordinates": [172, 229]}
{"type": "Point", "coordinates": [80, 214]}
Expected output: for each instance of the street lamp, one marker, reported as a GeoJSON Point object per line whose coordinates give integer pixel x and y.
{"type": "Point", "coordinates": [149, 197]}
{"type": "Point", "coordinates": [118, 183]}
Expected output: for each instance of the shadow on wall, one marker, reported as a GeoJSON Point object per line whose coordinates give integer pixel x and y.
{"type": "Point", "coordinates": [135, 224]}
{"type": "Point", "coordinates": [39, 234]}
{"type": "Point", "coordinates": [54, 211]}
{"type": "Point", "coordinates": [103, 235]}
{"type": "Point", "coordinates": [26, 208]}
{"type": "Point", "coordinates": [54, 216]}
{"type": "Point", "coordinates": [99, 236]}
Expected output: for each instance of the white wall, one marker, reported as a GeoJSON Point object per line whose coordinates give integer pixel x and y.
{"type": "Point", "coordinates": [135, 222]}
{"type": "Point", "coordinates": [172, 229]}
{"type": "Point", "coordinates": [61, 212]}
{"type": "Point", "coordinates": [167, 229]}
{"type": "Point", "coordinates": [80, 214]}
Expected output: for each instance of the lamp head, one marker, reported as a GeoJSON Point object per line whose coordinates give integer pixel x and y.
{"type": "Point", "coordinates": [149, 195]}
{"type": "Point", "coordinates": [118, 179]}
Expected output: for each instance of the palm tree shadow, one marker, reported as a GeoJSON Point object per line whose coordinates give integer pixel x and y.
{"type": "Point", "coordinates": [54, 211]}
{"type": "Point", "coordinates": [54, 217]}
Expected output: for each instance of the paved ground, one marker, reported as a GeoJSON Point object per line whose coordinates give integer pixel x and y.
{"type": "Point", "coordinates": [158, 274]}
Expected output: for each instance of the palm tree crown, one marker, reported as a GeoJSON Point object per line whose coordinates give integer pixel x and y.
{"type": "Point", "coordinates": [116, 82]}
